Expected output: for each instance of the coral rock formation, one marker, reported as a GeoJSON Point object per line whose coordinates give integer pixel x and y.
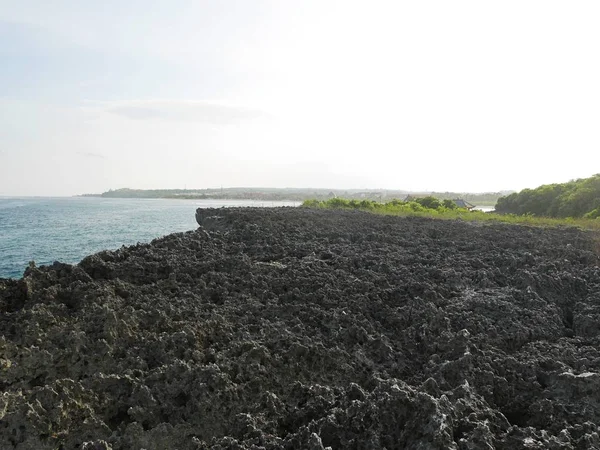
{"type": "Point", "coordinates": [292, 328]}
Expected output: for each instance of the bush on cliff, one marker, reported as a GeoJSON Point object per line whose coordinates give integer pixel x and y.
{"type": "Point", "coordinates": [428, 205]}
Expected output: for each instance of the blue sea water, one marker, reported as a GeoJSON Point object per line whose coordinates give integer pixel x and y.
{"type": "Point", "coordinates": [45, 230]}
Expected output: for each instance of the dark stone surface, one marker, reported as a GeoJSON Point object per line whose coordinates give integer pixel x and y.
{"type": "Point", "coordinates": [290, 328]}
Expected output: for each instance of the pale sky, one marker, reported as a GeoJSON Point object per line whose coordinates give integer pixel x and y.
{"type": "Point", "coordinates": [421, 95]}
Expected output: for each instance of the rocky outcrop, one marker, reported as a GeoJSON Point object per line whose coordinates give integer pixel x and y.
{"type": "Point", "coordinates": [291, 328]}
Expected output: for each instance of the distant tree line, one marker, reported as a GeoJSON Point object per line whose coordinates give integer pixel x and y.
{"type": "Point", "coordinates": [577, 198]}
{"type": "Point", "coordinates": [140, 193]}
{"type": "Point", "coordinates": [293, 194]}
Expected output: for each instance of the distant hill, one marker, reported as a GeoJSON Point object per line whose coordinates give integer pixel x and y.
{"type": "Point", "coordinates": [295, 194]}
{"type": "Point", "coordinates": [577, 198]}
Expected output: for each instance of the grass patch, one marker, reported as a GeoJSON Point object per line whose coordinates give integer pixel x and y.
{"type": "Point", "coordinates": [449, 211]}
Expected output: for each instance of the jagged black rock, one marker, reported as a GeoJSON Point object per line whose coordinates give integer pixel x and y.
{"type": "Point", "coordinates": [294, 328]}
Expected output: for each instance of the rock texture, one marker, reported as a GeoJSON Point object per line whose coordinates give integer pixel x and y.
{"type": "Point", "coordinates": [290, 328]}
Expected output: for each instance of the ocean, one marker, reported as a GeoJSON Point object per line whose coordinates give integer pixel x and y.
{"type": "Point", "coordinates": [45, 230]}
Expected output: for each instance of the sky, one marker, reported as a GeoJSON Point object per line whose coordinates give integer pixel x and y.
{"type": "Point", "coordinates": [466, 96]}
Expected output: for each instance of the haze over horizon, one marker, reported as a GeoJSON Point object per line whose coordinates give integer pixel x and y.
{"type": "Point", "coordinates": [462, 96]}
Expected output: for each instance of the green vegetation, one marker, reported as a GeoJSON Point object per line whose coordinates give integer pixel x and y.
{"type": "Point", "coordinates": [294, 194]}
{"type": "Point", "coordinates": [481, 199]}
{"type": "Point", "coordinates": [446, 209]}
{"type": "Point", "coordinates": [578, 198]}
{"type": "Point", "coordinates": [424, 204]}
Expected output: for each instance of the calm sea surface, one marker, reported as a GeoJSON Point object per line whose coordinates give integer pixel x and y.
{"type": "Point", "coordinates": [45, 230]}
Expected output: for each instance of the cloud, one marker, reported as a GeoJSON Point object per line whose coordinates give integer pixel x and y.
{"type": "Point", "coordinates": [91, 155]}
{"type": "Point", "coordinates": [195, 111]}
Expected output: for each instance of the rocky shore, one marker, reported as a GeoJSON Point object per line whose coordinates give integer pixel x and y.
{"type": "Point", "coordinates": [304, 329]}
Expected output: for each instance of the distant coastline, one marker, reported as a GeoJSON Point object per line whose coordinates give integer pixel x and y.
{"type": "Point", "coordinates": [292, 194]}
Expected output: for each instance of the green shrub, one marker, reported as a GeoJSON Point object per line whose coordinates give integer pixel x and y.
{"type": "Point", "coordinates": [429, 202]}
{"type": "Point", "coordinates": [449, 204]}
